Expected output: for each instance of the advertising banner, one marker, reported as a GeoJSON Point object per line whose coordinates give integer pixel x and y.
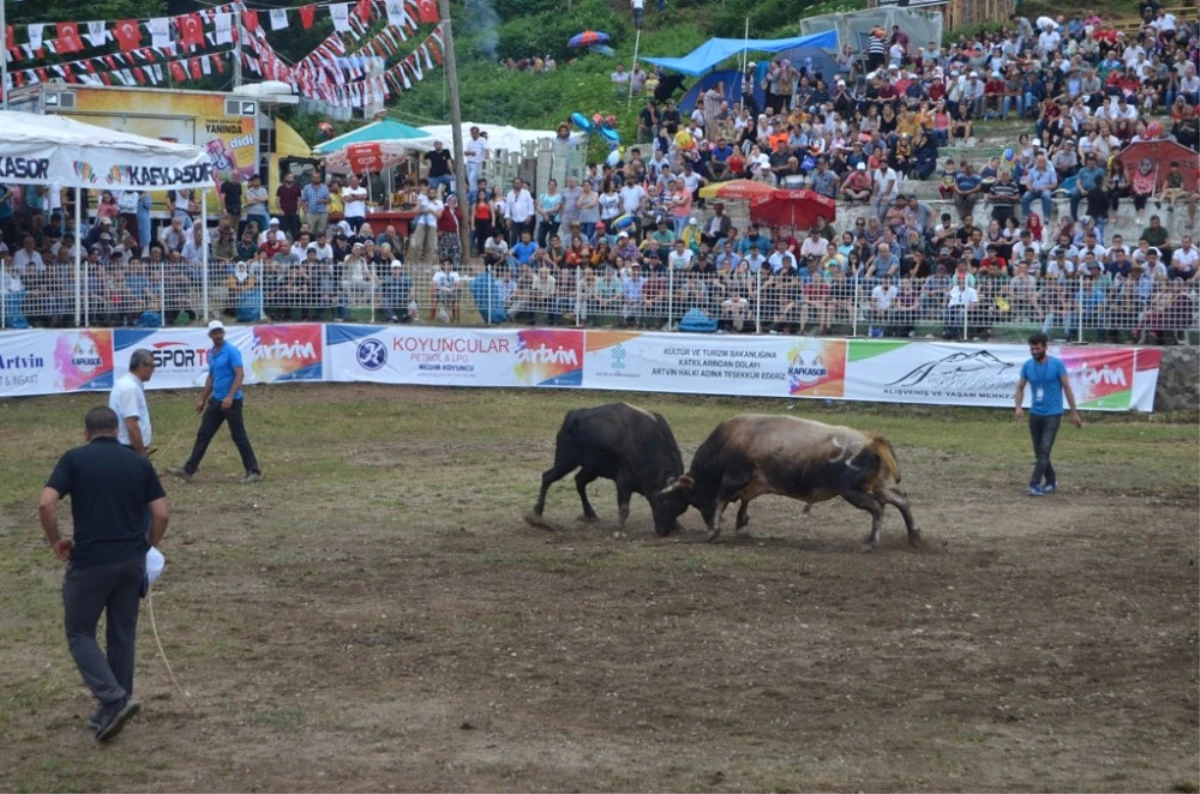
{"type": "Point", "coordinates": [687, 364]}
{"type": "Point", "coordinates": [53, 362]}
{"type": "Point", "coordinates": [454, 357]}
{"type": "Point", "coordinates": [39, 361]}
{"type": "Point", "coordinates": [932, 373]}
{"type": "Point", "coordinates": [180, 354]}
{"type": "Point", "coordinates": [282, 352]}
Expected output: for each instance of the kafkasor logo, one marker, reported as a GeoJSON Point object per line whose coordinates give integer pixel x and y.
{"type": "Point", "coordinates": [84, 360]}
{"type": "Point", "coordinates": [817, 368]}
{"type": "Point", "coordinates": [550, 358]}
{"type": "Point", "coordinates": [287, 352]}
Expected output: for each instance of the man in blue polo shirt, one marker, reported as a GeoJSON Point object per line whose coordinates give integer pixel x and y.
{"type": "Point", "coordinates": [221, 401]}
{"type": "Point", "coordinates": [1048, 378]}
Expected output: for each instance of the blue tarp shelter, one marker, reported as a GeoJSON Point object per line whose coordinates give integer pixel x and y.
{"type": "Point", "coordinates": [715, 51]}
{"type": "Point", "coordinates": [818, 59]}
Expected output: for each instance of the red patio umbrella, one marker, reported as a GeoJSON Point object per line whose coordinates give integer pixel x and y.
{"type": "Point", "coordinates": [796, 208]}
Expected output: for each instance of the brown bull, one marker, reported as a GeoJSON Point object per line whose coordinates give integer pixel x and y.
{"type": "Point", "coordinates": [748, 456]}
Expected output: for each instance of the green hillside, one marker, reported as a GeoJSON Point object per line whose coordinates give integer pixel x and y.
{"type": "Point", "coordinates": [490, 92]}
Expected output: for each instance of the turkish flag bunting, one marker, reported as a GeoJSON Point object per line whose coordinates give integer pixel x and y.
{"type": "Point", "coordinates": [68, 37]}
{"type": "Point", "coordinates": [128, 33]}
{"type": "Point", "coordinates": [139, 75]}
{"type": "Point", "coordinates": [250, 20]}
{"type": "Point", "coordinates": [10, 38]}
{"type": "Point", "coordinates": [219, 62]}
{"type": "Point", "coordinates": [191, 30]}
{"type": "Point", "coordinates": [307, 13]}
{"type": "Point", "coordinates": [112, 64]}
{"type": "Point", "coordinates": [106, 79]}
{"type": "Point", "coordinates": [194, 65]}
{"type": "Point", "coordinates": [363, 9]}
{"type": "Point", "coordinates": [427, 12]}
{"type": "Point", "coordinates": [177, 72]}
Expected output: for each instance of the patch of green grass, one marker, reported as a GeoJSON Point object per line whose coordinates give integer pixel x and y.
{"type": "Point", "coordinates": [282, 720]}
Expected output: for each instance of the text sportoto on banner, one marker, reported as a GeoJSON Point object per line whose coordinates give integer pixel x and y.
{"type": "Point", "coordinates": [455, 357]}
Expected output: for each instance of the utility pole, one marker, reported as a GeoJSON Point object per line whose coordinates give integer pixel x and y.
{"type": "Point", "coordinates": [238, 32]}
{"type": "Point", "coordinates": [4, 57]}
{"type": "Point", "coordinates": [461, 189]}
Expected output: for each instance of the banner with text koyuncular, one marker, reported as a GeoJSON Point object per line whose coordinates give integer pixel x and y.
{"type": "Point", "coordinates": [455, 356]}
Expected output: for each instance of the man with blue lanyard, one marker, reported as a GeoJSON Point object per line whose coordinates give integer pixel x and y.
{"type": "Point", "coordinates": [221, 401]}
{"type": "Point", "coordinates": [1048, 377]}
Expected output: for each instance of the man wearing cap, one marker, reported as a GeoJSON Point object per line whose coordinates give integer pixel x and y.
{"type": "Point", "coordinates": [221, 401]}
{"type": "Point", "coordinates": [857, 185]}
{"type": "Point", "coordinates": [110, 487]}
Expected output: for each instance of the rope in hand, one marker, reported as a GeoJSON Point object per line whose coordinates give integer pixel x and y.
{"type": "Point", "coordinates": [174, 438]}
{"type": "Point", "coordinates": [163, 654]}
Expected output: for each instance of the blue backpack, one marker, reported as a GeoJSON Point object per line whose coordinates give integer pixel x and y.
{"type": "Point", "coordinates": [697, 322]}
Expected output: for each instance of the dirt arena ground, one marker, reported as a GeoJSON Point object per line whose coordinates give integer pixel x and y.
{"type": "Point", "coordinates": [376, 616]}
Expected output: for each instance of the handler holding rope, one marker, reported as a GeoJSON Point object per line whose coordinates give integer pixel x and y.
{"type": "Point", "coordinates": [110, 485]}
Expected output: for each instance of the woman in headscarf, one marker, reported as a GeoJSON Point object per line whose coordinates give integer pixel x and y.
{"type": "Point", "coordinates": [449, 240]}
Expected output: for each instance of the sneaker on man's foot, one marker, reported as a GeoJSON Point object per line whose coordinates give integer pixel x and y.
{"type": "Point", "coordinates": [1050, 488]}
{"type": "Point", "coordinates": [180, 472]}
{"type": "Point", "coordinates": [114, 719]}
{"type": "Point", "coordinates": [252, 477]}
{"type": "Point", "coordinates": [1036, 490]}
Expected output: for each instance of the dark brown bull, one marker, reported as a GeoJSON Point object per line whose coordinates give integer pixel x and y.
{"type": "Point", "coordinates": [748, 456]}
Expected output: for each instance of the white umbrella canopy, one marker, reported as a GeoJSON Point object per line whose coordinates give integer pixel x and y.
{"type": "Point", "coordinates": [44, 150]}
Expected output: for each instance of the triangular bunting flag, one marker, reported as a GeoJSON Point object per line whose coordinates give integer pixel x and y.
{"type": "Point", "coordinates": [307, 14]}
{"type": "Point", "coordinates": [279, 18]}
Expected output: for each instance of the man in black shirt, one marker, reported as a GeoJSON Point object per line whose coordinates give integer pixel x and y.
{"type": "Point", "coordinates": [109, 486]}
{"type": "Point", "coordinates": [441, 167]}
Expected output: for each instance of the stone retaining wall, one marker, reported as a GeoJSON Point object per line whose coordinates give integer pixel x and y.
{"type": "Point", "coordinates": [1178, 380]}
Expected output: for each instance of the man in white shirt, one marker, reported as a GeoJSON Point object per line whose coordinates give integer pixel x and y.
{"type": "Point", "coordinates": [814, 245]}
{"type": "Point", "coordinates": [882, 298]}
{"type": "Point", "coordinates": [962, 299]}
{"type": "Point", "coordinates": [128, 401]}
{"type": "Point", "coordinates": [424, 236]}
{"type": "Point", "coordinates": [632, 195]}
{"type": "Point", "coordinates": [519, 211]}
{"type": "Point", "coordinates": [354, 198]}
{"type": "Point", "coordinates": [272, 233]}
{"type": "Point", "coordinates": [322, 247]}
{"type": "Point", "coordinates": [680, 257]}
{"type": "Point", "coordinates": [27, 260]}
{"type": "Point", "coordinates": [1184, 260]}
{"type": "Point", "coordinates": [476, 151]}
{"type": "Point", "coordinates": [780, 257]}
{"type": "Point", "coordinates": [620, 77]}
{"type": "Point", "coordinates": [886, 186]}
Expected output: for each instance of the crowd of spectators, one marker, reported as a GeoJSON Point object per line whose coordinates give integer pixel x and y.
{"type": "Point", "coordinates": [632, 241]}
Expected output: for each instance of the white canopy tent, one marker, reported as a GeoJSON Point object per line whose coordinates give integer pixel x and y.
{"type": "Point", "coordinates": [60, 152]}
{"type": "Point", "coordinates": [499, 136]}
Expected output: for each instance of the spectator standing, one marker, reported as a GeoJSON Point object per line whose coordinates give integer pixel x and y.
{"type": "Point", "coordinates": [441, 167]}
{"type": "Point", "coordinates": [287, 195]}
{"type": "Point", "coordinates": [354, 199]}
{"type": "Point", "coordinates": [315, 198]}
{"type": "Point", "coordinates": [258, 207]}
{"type": "Point", "coordinates": [1048, 377]}
{"type": "Point", "coordinates": [128, 401]}
{"type": "Point", "coordinates": [110, 487]}
{"type": "Point", "coordinates": [424, 236]}
{"type": "Point", "coordinates": [221, 401]}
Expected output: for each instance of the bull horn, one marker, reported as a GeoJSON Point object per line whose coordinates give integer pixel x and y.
{"type": "Point", "coordinates": [678, 484]}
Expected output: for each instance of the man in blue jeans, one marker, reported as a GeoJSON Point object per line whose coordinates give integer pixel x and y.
{"type": "Point", "coordinates": [1040, 182]}
{"type": "Point", "coordinates": [1048, 378]}
{"type": "Point", "coordinates": [220, 402]}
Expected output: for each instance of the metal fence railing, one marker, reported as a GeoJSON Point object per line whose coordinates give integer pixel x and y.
{"type": "Point", "coordinates": [174, 292]}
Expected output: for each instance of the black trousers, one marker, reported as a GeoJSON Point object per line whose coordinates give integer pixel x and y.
{"type": "Point", "coordinates": [1043, 430]}
{"type": "Point", "coordinates": [210, 423]}
{"type": "Point", "coordinates": [115, 590]}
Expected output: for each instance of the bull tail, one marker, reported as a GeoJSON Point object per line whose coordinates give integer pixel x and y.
{"type": "Point", "coordinates": [887, 455]}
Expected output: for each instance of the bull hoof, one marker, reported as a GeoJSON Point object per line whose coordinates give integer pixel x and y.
{"type": "Point", "coordinates": [711, 536]}
{"type": "Point", "coordinates": [586, 518]}
{"type": "Point", "coordinates": [535, 520]}
{"type": "Point", "coordinates": [867, 549]}
{"type": "Point", "coordinates": [914, 538]}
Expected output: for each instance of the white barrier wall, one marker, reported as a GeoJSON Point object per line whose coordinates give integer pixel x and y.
{"type": "Point", "coordinates": [877, 370]}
